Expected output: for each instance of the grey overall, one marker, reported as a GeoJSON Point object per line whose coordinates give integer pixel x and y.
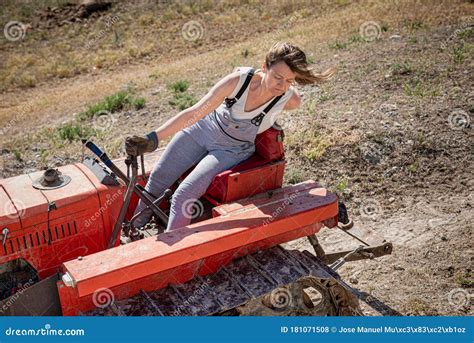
{"type": "Point", "coordinates": [215, 143]}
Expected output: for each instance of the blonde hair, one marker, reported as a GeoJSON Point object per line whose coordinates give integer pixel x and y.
{"type": "Point", "coordinates": [296, 60]}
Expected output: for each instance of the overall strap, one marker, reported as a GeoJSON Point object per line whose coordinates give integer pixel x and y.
{"type": "Point", "coordinates": [257, 120]}
{"type": "Point", "coordinates": [230, 102]}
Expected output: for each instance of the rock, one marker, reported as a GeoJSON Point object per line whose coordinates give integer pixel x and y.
{"type": "Point", "coordinates": [390, 172]}
{"type": "Point", "coordinates": [395, 37]}
{"type": "Point", "coordinates": [390, 109]}
{"type": "Point", "coordinates": [391, 199]}
{"type": "Point", "coordinates": [353, 280]}
{"type": "Point", "coordinates": [398, 267]}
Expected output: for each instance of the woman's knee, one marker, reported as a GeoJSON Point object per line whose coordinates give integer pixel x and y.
{"type": "Point", "coordinates": [189, 190]}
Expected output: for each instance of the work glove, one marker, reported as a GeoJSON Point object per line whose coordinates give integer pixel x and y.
{"type": "Point", "coordinates": [137, 145]}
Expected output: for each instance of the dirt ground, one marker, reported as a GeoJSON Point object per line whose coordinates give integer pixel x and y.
{"type": "Point", "coordinates": [391, 133]}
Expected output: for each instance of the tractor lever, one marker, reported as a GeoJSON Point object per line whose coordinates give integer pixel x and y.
{"type": "Point", "coordinates": [132, 184]}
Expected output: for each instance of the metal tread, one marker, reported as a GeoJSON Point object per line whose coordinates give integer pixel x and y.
{"type": "Point", "coordinates": [244, 279]}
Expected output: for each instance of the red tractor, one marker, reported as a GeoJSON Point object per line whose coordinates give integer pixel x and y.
{"type": "Point", "coordinates": [66, 250]}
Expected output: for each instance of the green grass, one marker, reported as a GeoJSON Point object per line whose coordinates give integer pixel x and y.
{"type": "Point", "coordinates": [401, 68]}
{"type": "Point", "coordinates": [466, 33]}
{"type": "Point", "coordinates": [413, 25]}
{"type": "Point", "coordinates": [17, 154]}
{"type": "Point", "coordinates": [179, 86]}
{"type": "Point", "coordinates": [413, 167]}
{"type": "Point", "coordinates": [314, 146]}
{"type": "Point", "coordinates": [324, 97]}
{"type": "Point", "coordinates": [294, 176]}
{"type": "Point", "coordinates": [74, 132]}
{"type": "Point", "coordinates": [113, 103]}
{"type": "Point", "coordinates": [342, 185]}
{"type": "Point", "coordinates": [337, 45]}
{"type": "Point", "coordinates": [181, 99]}
{"type": "Point", "coordinates": [138, 103]}
{"type": "Point", "coordinates": [460, 52]}
{"type": "Point", "coordinates": [356, 39]}
{"type": "Point", "coordinates": [419, 88]}
{"type": "Point", "coordinates": [464, 279]}
{"type": "Point", "coordinates": [353, 39]}
{"type": "Point", "coordinates": [310, 59]}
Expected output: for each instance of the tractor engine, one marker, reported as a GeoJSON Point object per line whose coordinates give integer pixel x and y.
{"type": "Point", "coordinates": [44, 223]}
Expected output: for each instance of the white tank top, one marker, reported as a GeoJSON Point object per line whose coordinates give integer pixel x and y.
{"type": "Point", "coordinates": [237, 110]}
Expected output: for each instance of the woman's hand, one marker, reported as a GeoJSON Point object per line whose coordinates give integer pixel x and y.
{"type": "Point", "coordinates": [137, 145]}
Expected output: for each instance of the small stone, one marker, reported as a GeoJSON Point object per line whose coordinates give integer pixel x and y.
{"type": "Point", "coordinates": [391, 199]}
{"type": "Point", "coordinates": [444, 238]}
{"type": "Point", "coordinates": [353, 280]}
{"type": "Point", "coordinates": [398, 267]}
{"type": "Point", "coordinates": [395, 37]}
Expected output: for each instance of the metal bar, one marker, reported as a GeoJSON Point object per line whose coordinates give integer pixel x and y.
{"type": "Point", "coordinates": [318, 249]}
{"type": "Point", "coordinates": [236, 281]}
{"type": "Point", "coordinates": [139, 191]}
{"type": "Point", "coordinates": [287, 256]}
{"type": "Point", "coordinates": [123, 209]}
{"type": "Point", "coordinates": [117, 309]}
{"type": "Point", "coordinates": [154, 306]}
{"type": "Point", "coordinates": [339, 262]}
{"type": "Point", "coordinates": [254, 263]}
{"type": "Point", "coordinates": [363, 254]}
{"type": "Point", "coordinates": [214, 295]}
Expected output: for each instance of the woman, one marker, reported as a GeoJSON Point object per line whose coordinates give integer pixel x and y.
{"type": "Point", "coordinates": [219, 131]}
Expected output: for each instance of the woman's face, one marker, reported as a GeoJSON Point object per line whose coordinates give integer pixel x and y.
{"type": "Point", "coordinates": [278, 78]}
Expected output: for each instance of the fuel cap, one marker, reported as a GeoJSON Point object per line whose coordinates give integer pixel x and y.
{"type": "Point", "coordinates": [51, 179]}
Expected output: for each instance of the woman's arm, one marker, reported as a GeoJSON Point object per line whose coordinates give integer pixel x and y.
{"type": "Point", "coordinates": [294, 102]}
{"type": "Point", "coordinates": [207, 104]}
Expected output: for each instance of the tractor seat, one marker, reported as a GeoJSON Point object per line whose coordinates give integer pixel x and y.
{"type": "Point", "coordinates": [262, 172]}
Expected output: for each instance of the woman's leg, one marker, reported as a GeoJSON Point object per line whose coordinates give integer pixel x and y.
{"type": "Point", "coordinates": [181, 153]}
{"type": "Point", "coordinates": [196, 184]}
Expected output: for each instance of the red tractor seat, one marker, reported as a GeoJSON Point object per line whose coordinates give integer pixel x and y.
{"type": "Point", "coordinates": [262, 172]}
